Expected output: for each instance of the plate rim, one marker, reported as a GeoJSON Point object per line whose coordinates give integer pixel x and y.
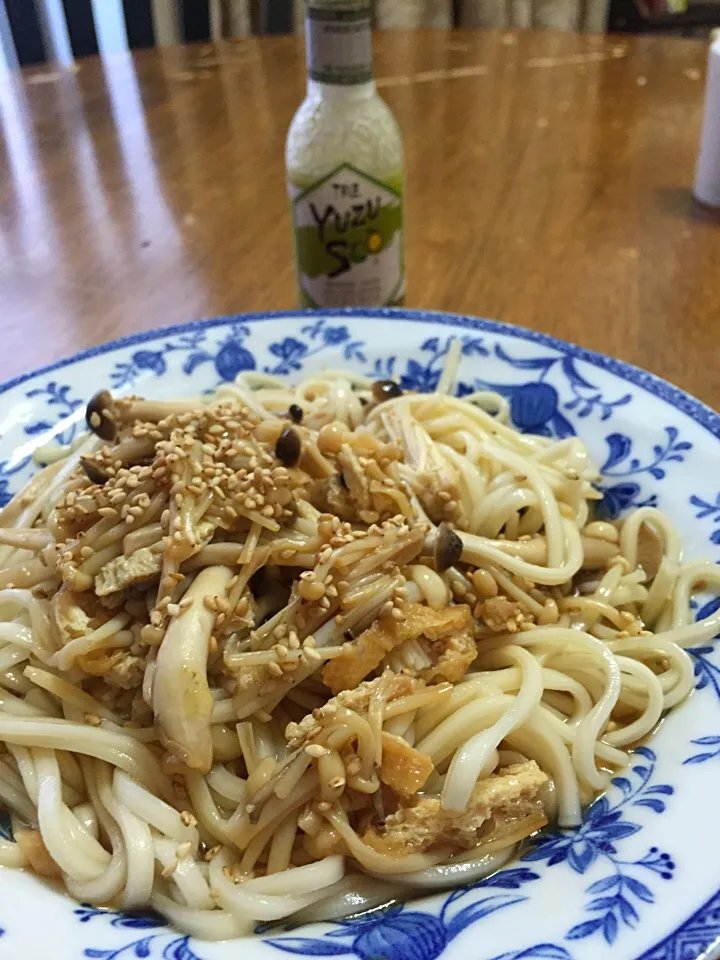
{"type": "Point", "coordinates": [681, 399]}
{"type": "Point", "coordinates": [695, 929]}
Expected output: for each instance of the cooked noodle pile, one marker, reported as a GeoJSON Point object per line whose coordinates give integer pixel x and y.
{"type": "Point", "coordinates": [303, 650]}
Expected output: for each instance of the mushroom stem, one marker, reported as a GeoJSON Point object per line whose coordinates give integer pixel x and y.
{"type": "Point", "coordinates": [26, 537]}
{"type": "Point", "coordinates": [152, 411]}
{"type": "Point", "coordinates": [214, 553]}
{"type": "Point", "coordinates": [146, 536]}
{"type": "Point", "coordinates": [182, 701]}
{"type": "Point", "coordinates": [266, 791]}
{"type": "Point", "coordinates": [131, 450]}
{"type": "Point", "coordinates": [596, 552]}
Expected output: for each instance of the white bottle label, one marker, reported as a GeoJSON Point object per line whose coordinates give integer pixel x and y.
{"type": "Point", "coordinates": [339, 48]}
{"type": "Point", "coordinates": [348, 241]}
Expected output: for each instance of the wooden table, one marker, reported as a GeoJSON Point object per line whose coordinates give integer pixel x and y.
{"type": "Point", "coordinates": [548, 185]}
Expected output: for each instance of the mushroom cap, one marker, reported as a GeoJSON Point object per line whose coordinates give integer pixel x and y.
{"type": "Point", "coordinates": [93, 471]}
{"type": "Point", "coordinates": [447, 549]}
{"type": "Point", "coordinates": [385, 390]}
{"type": "Point", "coordinates": [288, 447]}
{"type": "Point", "coordinates": [99, 415]}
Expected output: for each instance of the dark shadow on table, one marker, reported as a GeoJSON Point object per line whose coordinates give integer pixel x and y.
{"type": "Point", "coordinates": [680, 203]}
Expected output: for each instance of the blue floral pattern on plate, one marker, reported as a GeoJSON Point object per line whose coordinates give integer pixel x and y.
{"type": "Point", "coordinates": [165, 944]}
{"type": "Point", "coordinates": [620, 463]}
{"type": "Point", "coordinates": [647, 436]}
{"type": "Point", "coordinates": [57, 423]}
{"type": "Point", "coordinates": [423, 374]}
{"type": "Point", "coordinates": [535, 405]}
{"type": "Point", "coordinates": [401, 933]}
{"type": "Point", "coordinates": [617, 895]}
{"type": "Point", "coordinates": [705, 509]}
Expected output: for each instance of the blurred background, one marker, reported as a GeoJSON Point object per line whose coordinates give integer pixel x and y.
{"type": "Point", "coordinates": [550, 158]}
{"type": "Point", "coordinates": [34, 31]}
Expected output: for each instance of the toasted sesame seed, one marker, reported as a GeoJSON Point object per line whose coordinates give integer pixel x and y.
{"type": "Point", "coordinates": [311, 590]}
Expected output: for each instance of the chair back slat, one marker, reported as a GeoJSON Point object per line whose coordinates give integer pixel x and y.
{"type": "Point", "coordinates": [585, 15]}
{"type": "Point", "coordinates": [53, 27]}
{"type": "Point", "coordinates": [105, 25]}
{"type": "Point", "coordinates": [299, 16]}
{"type": "Point", "coordinates": [413, 14]}
{"type": "Point", "coordinates": [216, 17]}
{"type": "Point", "coordinates": [8, 53]}
{"type": "Point", "coordinates": [595, 16]}
{"type": "Point", "coordinates": [110, 26]}
{"type": "Point", "coordinates": [166, 22]}
{"type": "Point", "coordinates": [239, 18]}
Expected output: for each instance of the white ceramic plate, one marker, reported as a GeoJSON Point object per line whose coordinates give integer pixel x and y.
{"type": "Point", "coordinates": [640, 879]}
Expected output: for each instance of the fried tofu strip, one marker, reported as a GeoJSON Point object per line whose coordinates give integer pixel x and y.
{"type": "Point", "coordinates": [510, 794]}
{"type": "Point", "coordinates": [451, 629]}
{"type": "Point", "coordinates": [403, 769]}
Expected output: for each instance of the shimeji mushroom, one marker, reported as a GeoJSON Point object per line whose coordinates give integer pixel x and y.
{"type": "Point", "coordinates": [447, 548]}
{"type": "Point", "coordinates": [104, 412]}
{"type": "Point", "coordinates": [182, 701]}
{"type": "Point", "coordinates": [596, 553]}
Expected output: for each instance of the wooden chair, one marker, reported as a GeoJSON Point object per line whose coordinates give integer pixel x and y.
{"type": "Point", "coordinates": [57, 31]}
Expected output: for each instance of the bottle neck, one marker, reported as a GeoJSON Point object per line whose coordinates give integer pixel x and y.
{"type": "Point", "coordinates": [339, 44]}
{"type": "Point", "coordinates": [344, 92]}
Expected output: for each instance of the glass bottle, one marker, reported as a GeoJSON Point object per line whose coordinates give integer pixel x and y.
{"type": "Point", "coordinates": [344, 163]}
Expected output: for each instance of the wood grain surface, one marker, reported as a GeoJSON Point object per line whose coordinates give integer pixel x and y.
{"type": "Point", "coordinates": [548, 185]}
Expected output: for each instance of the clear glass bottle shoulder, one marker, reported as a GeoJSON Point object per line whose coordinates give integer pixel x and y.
{"type": "Point", "coordinates": [336, 125]}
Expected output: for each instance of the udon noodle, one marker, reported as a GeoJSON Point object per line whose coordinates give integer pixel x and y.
{"type": "Point", "coordinates": [301, 650]}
